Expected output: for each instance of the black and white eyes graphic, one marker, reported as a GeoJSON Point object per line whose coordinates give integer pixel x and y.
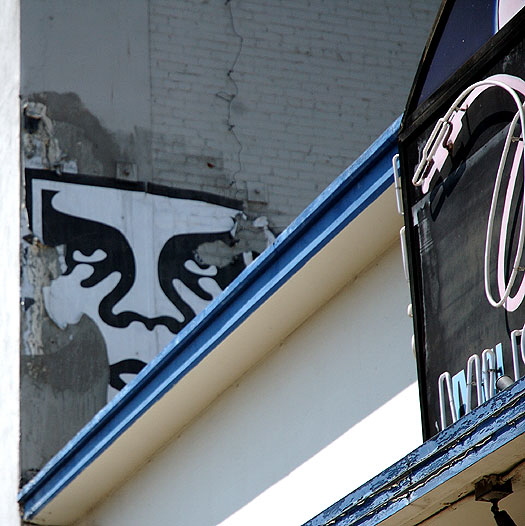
{"type": "Point", "coordinates": [130, 263]}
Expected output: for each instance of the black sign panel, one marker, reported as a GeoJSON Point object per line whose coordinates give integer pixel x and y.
{"type": "Point", "coordinates": [463, 181]}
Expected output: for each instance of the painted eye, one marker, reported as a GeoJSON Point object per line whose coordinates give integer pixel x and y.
{"type": "Point", "coordinates": [97, 256]}
{"type": "Point", "coordinates": [190, 265]}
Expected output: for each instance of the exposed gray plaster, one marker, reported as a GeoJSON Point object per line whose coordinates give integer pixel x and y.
{"type": "Point", "coordinates": [79, 133]}
{"type": "Point", "coordinates": [69, 138]}
{"type": "Point", "coordinates": [60, 390]}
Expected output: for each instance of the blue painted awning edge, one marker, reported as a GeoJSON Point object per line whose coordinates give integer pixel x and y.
{"type": "Point", "coordinates": [357, 187]}
{"type": "Point", "coordinates": [475, 436]}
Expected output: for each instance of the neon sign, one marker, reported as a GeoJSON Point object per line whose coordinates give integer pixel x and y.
{"type": "Point", "coordinates": [462, 163]}
{"type": "Point", "coordinates": [482, 372]}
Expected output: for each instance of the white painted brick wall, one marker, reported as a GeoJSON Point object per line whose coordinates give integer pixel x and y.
{"type": "Point", "coordinates": [316, 83]}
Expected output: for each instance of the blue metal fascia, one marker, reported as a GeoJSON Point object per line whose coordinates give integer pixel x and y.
{"type": "Point", "coordinates": [472, 438]}
{"type": "Point", "coordinates": [356, 188]}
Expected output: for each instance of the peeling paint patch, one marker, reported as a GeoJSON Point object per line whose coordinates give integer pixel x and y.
{"type": "Point", "coordinates": [40, 146]}
{"type": "Point", "coordinates": [40, 265]}
{"type": "Point", "coordinates": [250, 238]}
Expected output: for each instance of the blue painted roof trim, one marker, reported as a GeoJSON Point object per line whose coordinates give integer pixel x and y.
{"type": "Point", "coordinates": [475, 436]}
{"type": "Point", "coordinates": [357, 187]}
